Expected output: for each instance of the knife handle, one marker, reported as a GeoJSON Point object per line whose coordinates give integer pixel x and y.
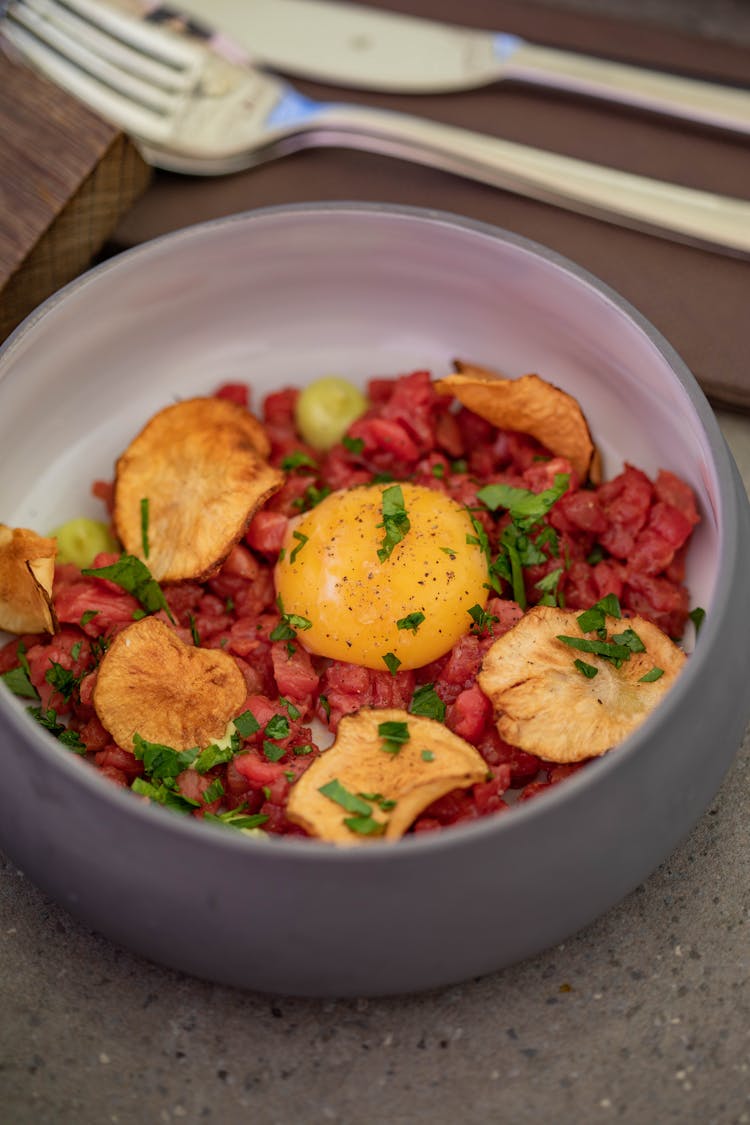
{"type": "Point", "coordinates": [682, 214]}
{"type": "Point", "coordinates": [690, 99]}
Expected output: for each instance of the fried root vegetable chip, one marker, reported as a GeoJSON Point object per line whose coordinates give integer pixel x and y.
{"type": "Point", "coordinates": [563, 703]}
{"type": "Point", "coordinates": [187, 486]}
{"type": "Point", "coordinates": [385, 767]}
{"type": "Point", "coordinates": [529, 405]}
{"type": "Point", "coordinates": [27, 570]}
{"type": "Point", "coordinates": [153, 684]}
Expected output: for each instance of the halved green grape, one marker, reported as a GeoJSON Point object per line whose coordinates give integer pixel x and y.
{"type": "Point", "coordinates": [325, 410]}
{"type": "Point", "coordinates": [81, 539]}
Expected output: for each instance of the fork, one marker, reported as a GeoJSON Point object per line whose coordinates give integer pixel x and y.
{"type": "Point", "coordinates": [191, 111]}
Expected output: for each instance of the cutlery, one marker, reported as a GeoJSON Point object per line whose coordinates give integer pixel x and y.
{"type": "Point", "coordinates": [191, 111]}
{"type": "Point", "coordinates": [360, 47]}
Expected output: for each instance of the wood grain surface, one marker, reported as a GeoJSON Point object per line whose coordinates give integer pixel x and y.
{"type": "Point", "coordinates": [66, 178]}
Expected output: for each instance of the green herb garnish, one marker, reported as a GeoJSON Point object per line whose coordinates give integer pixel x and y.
{"type": "Point", "coordinates": [335, 791]}
{"type": "Point", "coordinates": [428, 703]}
{"type": "Point", "coordinates": [651, 676]}
{"type": "Point", "coordinates": [144, 526]}
{"type": "Point", "coordinates": [395, 523]}
{"type": "Point", "coordinates": [133, 576]}
{"type": "Point", "coordinates": [272, 751]}
{"type": "Point", "coordinates": [391, 662]}
{"type": "Point", "coordinates": [194, 631]}
{"type": "Point", "coordinates": [588, 670]}
{"type": "Point", "coordinates": [394, 735]}
{"type": "Point", "coordinates": [427, 756]}
{"type": "Point", "coordinates": [411, 621]}
{"type": "Point", "coordinates": [697, 616]}
{"type": "Point", "coordinates": [277, 727]}
{"type": "Point", "coordinates": [297, 460]}
{"type": "Point", "coordinates": [301, 540]}
{"type": "Point", "coordinates": [246, 724]}
{"type": "Point", "coordinates": [353, 444]}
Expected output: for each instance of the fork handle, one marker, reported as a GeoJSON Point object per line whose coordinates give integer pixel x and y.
{"type": "Point", "coordinates": [686, 98]}
{"type": "Point", "coordinates": [679, 213]}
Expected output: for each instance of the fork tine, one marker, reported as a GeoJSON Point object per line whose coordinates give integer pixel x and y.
{"type": "Point", "coordinates": [58, 18]}
{"type": "Point", "coordinates": [69, 51]}
{"type": "Point", "coordinates": [144, 37]}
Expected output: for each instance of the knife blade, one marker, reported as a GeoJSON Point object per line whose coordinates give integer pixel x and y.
{"type": "Point", "coordinates": [367, 48]}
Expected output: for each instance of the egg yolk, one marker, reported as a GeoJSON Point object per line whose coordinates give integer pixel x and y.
{"type": "Point", "coordinates": [413, 604]}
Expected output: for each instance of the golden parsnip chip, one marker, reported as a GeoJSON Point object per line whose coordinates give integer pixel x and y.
{"type": "Point", "coordinates": [385, 767]}
{"type": "Point", "coordinates": [529, 405]}
{"type": "Point", "coordinates": [27, 571]}
{"type": "Point", "coordinates": [548, 705]}
{"type": "Point", "coordinates": [200, 467]}
{"type": "Point", "coordinates": [153, 684]}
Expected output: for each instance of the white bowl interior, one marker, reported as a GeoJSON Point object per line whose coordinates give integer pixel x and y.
{"type": "Point", "coordinates": [283, 296]}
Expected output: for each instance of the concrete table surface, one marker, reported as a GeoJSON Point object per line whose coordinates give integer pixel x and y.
{"type": "Point", "coordinates": [643, 1017]}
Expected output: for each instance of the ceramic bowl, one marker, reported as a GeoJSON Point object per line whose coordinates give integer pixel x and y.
{"type": "Point", "coordinates": [282, 296]}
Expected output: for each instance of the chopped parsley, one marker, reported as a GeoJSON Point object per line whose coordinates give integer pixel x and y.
{"type": "Point", "coordinates": [549, 587]}
{"type": "Point", "coordinates": [411, 621]}
{"type": "Point", "coordinates": [287, 628]}
{"type": "Point", "coordinates": [362, 822]}
{"type": "Point", "coordinates": [162, 763]}
{"type": "Point", "coordinates": [394, 735]}
{"type": "Point", "coordinates": [482, 621]}
{"type": "Point", "coordinates": [194, 631]}
{"type": "Point", "coordinates": [335, 791]}
{"type": "Point", "coordinates": [593, 620]}
{"type": "Point", "coordinates": [525, 507]}
{"type": "Point", "coordinates": [133, 576]}
{"type": "Point", "coordinates": [144, 527]}
{"type": "Point", "coordinates": [630, 639]}
{"type": "Point", "coordinates": [237, 818]}
{"type": "Point", "coordinates": [291, 710]}
{"type": "Point", "coordinates": [427, 702]}
{"type": "Point", "coordinates": [697, 616]}
{"type": "Point", "coordinates": [277, 727]}
{"type": "Point", "coordinates": [246, 724]}
{"type": "Point", "coordinates": [18, 680]}
{"type": "Point", "coordinates": [395, 523]}
{"type": "Point", "coordinates": [651, 676]}
{"type": "Point", "coordinates": [391, 662]}
{"type": "Point", "coordinates": [61, 679]}
{"type": "Point", "coordinates": [365, 825]}
{"type": "Point", "coordinates": [301, 540]}
{"type": "Point", "coordinates": [449, 552]}
{"type": "Point", "coordinates": [216, 755]}
{"type": "Point", "coordinates": [75, 651]}
{"type": "Point", "coordinates": [272, 751]}
{"type": "Point", "coordinates": [588, 670]}
{"type": "Point", "coordinates": [438, 470]}
{"type": "Point", "coordinates": [89, 615]}
{"type": "Point", "coordinates": [297, 460]}
{"type": "Point", "coordinates": [214, 791]}
{"type": "Point", "coordinates": [427, 756]}
{"type": "Point", "coordinates": [325, 706]}
{"type": "Point", "coordinates": [355, 445]}
{"type": "Point", "coordinates": [311, 497]}
{"type": "Point", "coordinates": [164, 795]}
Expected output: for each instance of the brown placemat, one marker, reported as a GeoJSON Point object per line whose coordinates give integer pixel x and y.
{"type": "Point", "coordinates": [699, 300]}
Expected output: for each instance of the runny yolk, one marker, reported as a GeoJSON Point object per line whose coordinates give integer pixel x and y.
{"type": "Point", "coordinates": [414, 604]}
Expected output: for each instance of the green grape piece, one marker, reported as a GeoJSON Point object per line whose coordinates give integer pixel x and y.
{"type": "Point", "coordinates": [325, 410]}
{"type": "Point", "coordinates": [81, 539]}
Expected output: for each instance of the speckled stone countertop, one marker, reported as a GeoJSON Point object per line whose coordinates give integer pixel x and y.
{"type": "Point", "coordinates": [642, 1018]}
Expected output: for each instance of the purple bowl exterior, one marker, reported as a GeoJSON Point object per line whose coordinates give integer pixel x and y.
{"type": "Point", "coordinates": [299, 918]}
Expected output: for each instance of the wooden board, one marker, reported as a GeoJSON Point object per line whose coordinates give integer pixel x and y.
{"type": "Point", "coordinates": [66, 178]}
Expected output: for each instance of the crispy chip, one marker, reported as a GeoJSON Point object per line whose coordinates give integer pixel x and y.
{"type": "Point", "coordinates": [27, 570]}
{"type": "Point", "coordinates": [548, 706]}
{"type": "Point", "coordinates": [426, 766]}
{"type": "Point", "coordinates": [152, 684]}
{"type": "Point", "coordinates": [529, 405]}
{"type": "Point", "coordinates": [201, 465]}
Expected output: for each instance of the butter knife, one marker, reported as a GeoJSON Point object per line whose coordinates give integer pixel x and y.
{"type": "Point", "coordinates": [367, 48]}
